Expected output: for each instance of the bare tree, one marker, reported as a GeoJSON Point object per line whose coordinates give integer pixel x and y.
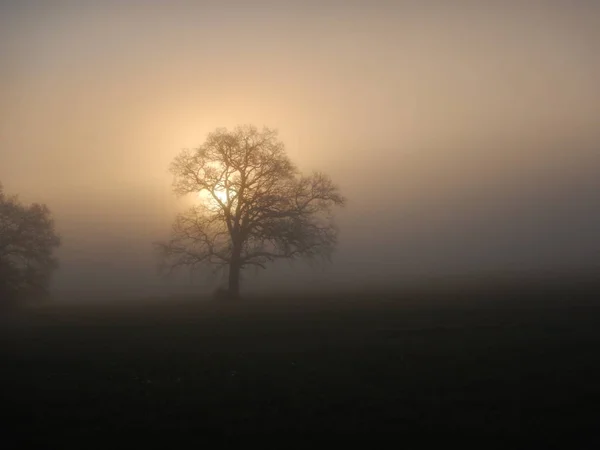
{"type": "Point", "coordinates": [27, 242]}
{"type": "Point", "coordinates": [255, 207]}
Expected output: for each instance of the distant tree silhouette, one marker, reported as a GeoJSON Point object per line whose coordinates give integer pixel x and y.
{"type": "Point", "coordinates": [255, 206]}
{"type": "Point", "coordinates": [27, 242]}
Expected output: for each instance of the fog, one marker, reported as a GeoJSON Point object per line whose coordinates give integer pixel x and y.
{"type": "Point", "coordinates": [466, 137]}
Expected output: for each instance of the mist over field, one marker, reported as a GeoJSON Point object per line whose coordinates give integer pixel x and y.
{"type": "Point", "coordinates": [456, 144]}
{"type": "Point", "coordinates": [465, 136]}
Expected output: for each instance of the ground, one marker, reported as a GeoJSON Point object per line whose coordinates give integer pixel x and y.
{"type": "Point", "coordinates": [506, 364]}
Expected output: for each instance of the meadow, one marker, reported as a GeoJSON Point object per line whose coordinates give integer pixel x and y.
{"type": "Point", "coordinates": [504, 362]}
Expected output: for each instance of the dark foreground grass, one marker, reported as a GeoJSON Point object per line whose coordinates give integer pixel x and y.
{"type": "Point", "coordinates": [510, 364]}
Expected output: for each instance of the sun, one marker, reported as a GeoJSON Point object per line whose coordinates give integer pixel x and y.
{"type": "Point", "coordinates": [207, 197]}
{"type": "Point", "coordinates": [221, 194]}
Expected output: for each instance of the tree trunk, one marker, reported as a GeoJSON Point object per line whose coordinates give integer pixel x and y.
{"type": "Point", "coordinates": [234, 280]}
{"type": "Point", "coordinates": [235, 266]}
{"type": "Point", "coordinates": [234, 270]}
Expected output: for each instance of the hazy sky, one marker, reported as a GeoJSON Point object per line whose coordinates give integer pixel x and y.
{"type": "Point", "coordinates": [466, 135]}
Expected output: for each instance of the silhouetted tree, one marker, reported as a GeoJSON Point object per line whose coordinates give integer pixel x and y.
{"type": "Point", "coordinates": [27, 242]}
{"type": "Point", "coordinates": [256, 207]}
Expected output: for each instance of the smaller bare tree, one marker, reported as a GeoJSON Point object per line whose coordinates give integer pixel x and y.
{"type": "Point", "coordinates": [27, 242]}
{"type": "Point", "coordinates": [255, 207]}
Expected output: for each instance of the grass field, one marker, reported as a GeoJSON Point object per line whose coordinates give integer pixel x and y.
{"type": "Point", "coordinates": [504, 363]}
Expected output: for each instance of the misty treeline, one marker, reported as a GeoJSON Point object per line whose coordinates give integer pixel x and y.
{"type": "Point", "coordinates": [253, 206]}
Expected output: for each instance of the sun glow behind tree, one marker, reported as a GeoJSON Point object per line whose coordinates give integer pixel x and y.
{"type": "Point", "coordinates": [255, 207]}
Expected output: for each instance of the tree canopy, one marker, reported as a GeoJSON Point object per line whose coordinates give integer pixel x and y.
{"type": "Point", "coordinates": [254, 205]}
